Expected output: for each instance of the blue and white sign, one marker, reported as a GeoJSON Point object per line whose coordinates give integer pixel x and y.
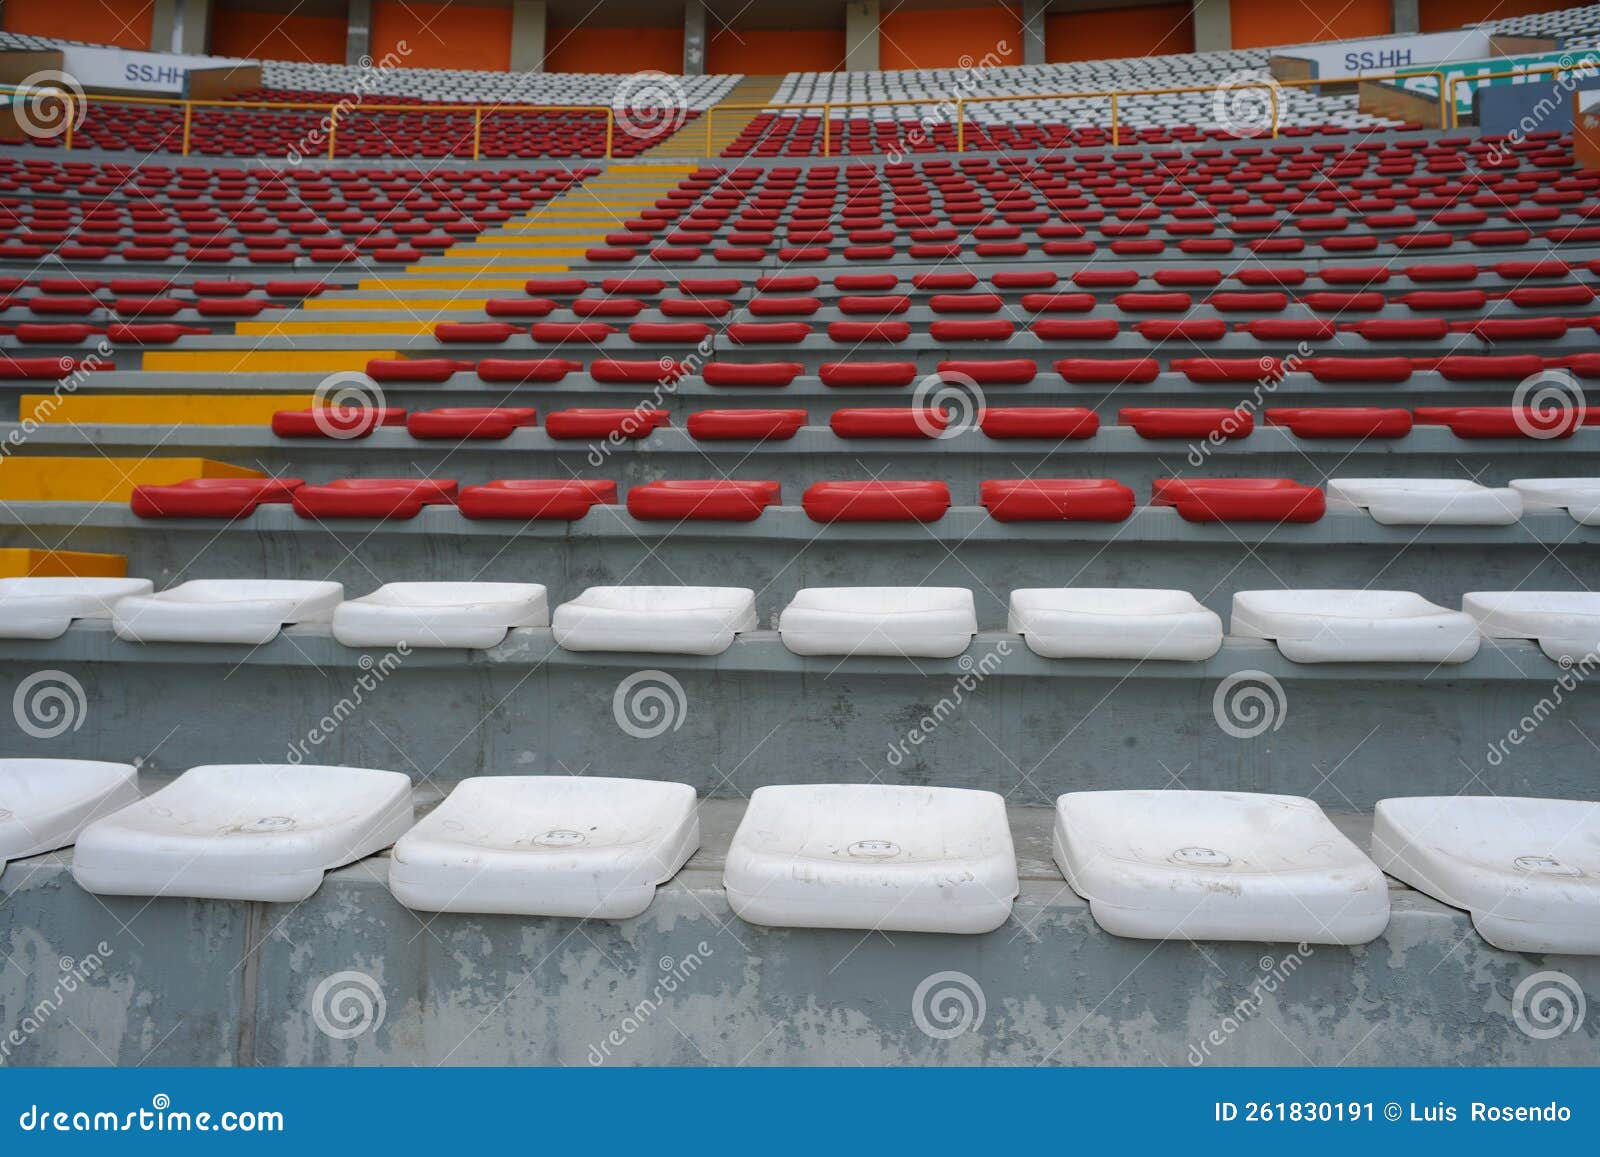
{"type": "Point", "coordinates": [148, 73]}
{"type": "Point", "coordinates": [1349, 59]}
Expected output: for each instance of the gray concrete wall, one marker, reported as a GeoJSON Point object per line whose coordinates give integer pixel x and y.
{"type": "Point", "coordinates": [695, 37]}
{"type": "Point", "coordinates": [1213, 26]}
{"type": "Point", "coordinates": [1033, 38]}
{"type": "Point", "coordinates": [1405, 15]}
{"type": "Point", "coordinates": [199, 982]}
{"type": "Point", "coordinates": [358, 32]}
{"type": "Point", "coordinates": [998, 718]}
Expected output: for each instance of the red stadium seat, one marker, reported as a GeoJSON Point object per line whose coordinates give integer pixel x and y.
{"type": "Point", "coordinates": [1056, 499]}
{"type": "Point", "coordinates": [1239, 499]}
{"type": "Point", "coordinates": [381, 498]}
{"type": "Point", "coordinates": [877, 501]}
{"type": "Point", "coordinates": [1110, 371]}
{"type": "Point", "coordinates": [414, 369]}
{"type": "Point", "coordinates": [745, 425]}
{"type": "Point", "coordinates": [563, 500]}
{"type": "Point", "coordinates": [514, 371]}
{"type": "Point", "coordinates": [1342, 422]}
{"type": "Point", "coordinates": [472, 422]}
{"type": "Point", "coordinates": [601, 423]}
{"type": "Point", "coordinates": [1053, 422]}
{"type": "Point", "coordinates": [723, 500]}
{"type": "Point", "coordinates": [867, 373]}
{"type": "Point", "coordinates": [1502, 421]}
{"type": "Point", "coordinates": [721, 373]}
{"type": "Point", "coordinates": [1196, 422]}
{"type": "Point", "coordinates": [337, 422]}
{"type": "Point", "coordinates": [889, 423]}
{"type": "Point", "coordinates": [210, 497]}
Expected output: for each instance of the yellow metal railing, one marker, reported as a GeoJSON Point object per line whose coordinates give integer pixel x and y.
{"type": "Point", "coordinates": [1115, 96]}
{"type": "Point", "coordinates": [334, 111]}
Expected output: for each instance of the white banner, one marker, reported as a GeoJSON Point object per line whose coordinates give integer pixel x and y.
{"type": "Point", "coordinates": [1345, 59]}
{"type": "Point", "coordinates": [154, 73]}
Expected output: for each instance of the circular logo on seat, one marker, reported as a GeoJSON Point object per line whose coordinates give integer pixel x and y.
{"type": "Point", "coordinates": [874, 849]}
{"type": "Point", "coordinates": [268, 824]}
{"type": "Point", "coordinates": [1545, 866]}
{"type": "Point", "coordinates": [1201, 858]}
{"type": "Point", "coordinates": [559, 838]}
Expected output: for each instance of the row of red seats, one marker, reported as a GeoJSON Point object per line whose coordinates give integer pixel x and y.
{"type": "Point", "coordinates": [1276, 500]}
{"type": "Point", "coordinates": [999, 422]}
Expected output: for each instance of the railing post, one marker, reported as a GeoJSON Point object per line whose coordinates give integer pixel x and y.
{"type": "Point", "coordinates": [961, 124]}
{"type": "Point", "coordinates": [66, 141]}
{"type": "Point", "coordinates": [1272, 95]}
{"type": "Point", "coordinates": [188, 125]}
{"type": "Point", "coordinates": [1116, 133]}
{"type": "Point", "coordinates": [827, 127]}
{"type": "Point", "coordinates": [333, 128]}
{"type": "Point", "coordinates": [611, 128]}
{"type": "Point", "coordinates": [477, 130]}
{"type": "Point", "coordinates": [711, 116]}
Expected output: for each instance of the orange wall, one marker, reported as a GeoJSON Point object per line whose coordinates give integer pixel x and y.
{"type": "Point", "coordinates": [1437, 15]}
{"type": "Point", "coordinates": [1159, 30]}
{"type": "Point", "coordinates": [589, 49]}
{"type": "Point", "coordinates": [769, 53]}
{"type": "Point", "coordinates": [442, 35]}
{"type": "Point", "coordinates": [123, 23]}
{"type": "Point", "coordinates": [1263, 23]}
{"type": "Point", "coordinates": [277, 36]}
{"type": "Point", "coordinates": [949, 37]}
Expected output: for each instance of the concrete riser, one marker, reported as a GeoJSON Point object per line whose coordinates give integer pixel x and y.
{"type": "Point", "coordinates": [1345, 737]}
{"type": "Point", "coordinates": [213, 983]}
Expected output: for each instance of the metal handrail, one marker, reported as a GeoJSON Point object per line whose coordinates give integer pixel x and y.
{"type": "Point", "coordinates": [334, 110]}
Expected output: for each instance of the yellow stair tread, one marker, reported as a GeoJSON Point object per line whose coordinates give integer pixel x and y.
{"type": "Point", "coordinates": [26, 562]}
{"type": "Point", "coordinates": [26, 478]}
{"type": "Point", "coordinates": [160, 409]}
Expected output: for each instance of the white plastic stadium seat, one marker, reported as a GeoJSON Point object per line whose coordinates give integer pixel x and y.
{"type": "Point", "coordinates": [1426, 501]}
{"type": "Point", "coordinates": [905, 859]}
{"type": "Point", "coordinates": [1217, 865]}
{"type": "Point", "coordinates": [224, 610]}
{"type": "Point", "coordinates": [1579, 497]}
{"type": "Point", "coordinates": [1566, 624]}
{"type": "Point", "coordinates": [916, 622]}
{"type": "Point", "coordinates": [45, 803]}
{"type": "Point", "coordinates": [474, 614]}
{"type": "Point", "coordinates": [1113, 623]}
{"type": "Point", "coordinates": [244, 832]}
{"type": "Point", "coordinates": [1527, 869]}
{"type": "Point", "coordinates": [1340, 626]}
{"type": "Point", "coordinates": [583, 846]}
{"type": "Point", "coordinates": [657, 620]}
{"type": "Point", "coordinates": [43, 608]}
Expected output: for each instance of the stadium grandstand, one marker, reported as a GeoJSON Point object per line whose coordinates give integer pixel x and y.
{"type": "Point", "coordinates": [920, 533]}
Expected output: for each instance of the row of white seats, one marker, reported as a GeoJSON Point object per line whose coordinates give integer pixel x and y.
{"type": "Point", "coordinates": [1152, 864]}
{"type": "Point", "coordinates": [1459, 502]}
{"type": "Point", "coordinates": [1309, 626]}
{"type": "Point", "coordinates": [459, 85]}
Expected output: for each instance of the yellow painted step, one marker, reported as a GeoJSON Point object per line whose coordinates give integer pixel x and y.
{"type": "Point", "coordinates": [331, 328]}
{"type": "Point", "coordinates": [472, 302]}
{"type": "Point", "coordinates": [260, 361]}
{"type": "Point", "coordinates": [29, 479]}
{"type": "Point", "coordinates": [19, 562]}
{"type": "Point", "coordinates": [161, 409]}
{"type": "Point", "coordinates": [423, 282]}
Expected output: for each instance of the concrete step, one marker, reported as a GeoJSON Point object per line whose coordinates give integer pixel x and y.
{"type": "Point", "coordinates": [689, 983]}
